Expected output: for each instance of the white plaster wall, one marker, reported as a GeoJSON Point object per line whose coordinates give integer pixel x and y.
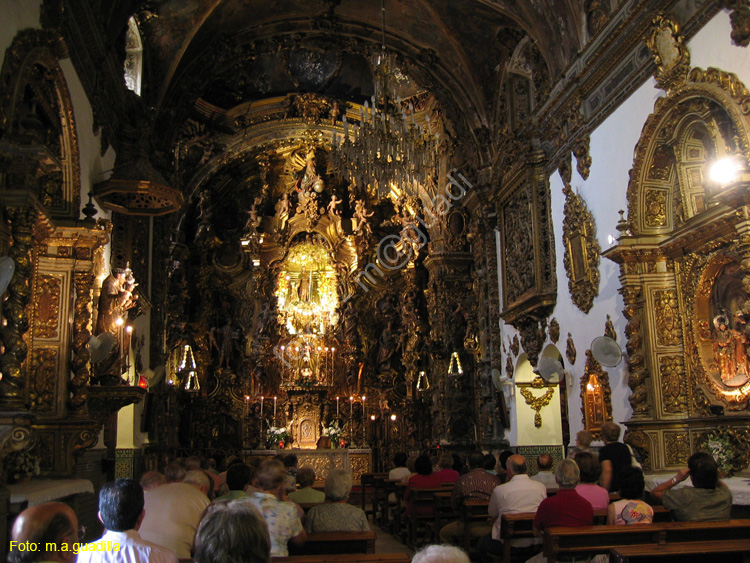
{"type": "Point", "coordinates": [16, 15]}
{"type": "Point", "coordinates": [612, 148]}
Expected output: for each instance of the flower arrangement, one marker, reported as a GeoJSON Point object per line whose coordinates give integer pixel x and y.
{"type": "Point", "coordinates": [278, 435]}
{"type": "Point", "coordinates": [334, 432]}
{"type": "Point", "coordinates": [720, 447]}
{"type": "Point", "coordinates": [20, 465]}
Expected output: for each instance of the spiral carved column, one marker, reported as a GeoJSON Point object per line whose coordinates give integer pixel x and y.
{"type": "Point", "coordinates": [12, 386]}
{"type": "Point", "coordinates": [84, 283]}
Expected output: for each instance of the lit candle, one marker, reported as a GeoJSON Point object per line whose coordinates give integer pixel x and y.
{"type": "Point", "coordinates": [261, 407]}
{"type": "Point", "coordinates": [364, 407]}
{"type": "Point", "coordinates": [351, 406]}
{"type": "Point", "coordinates": [274, 409]}
{"type": "Point", "coordinates": [337, 407]}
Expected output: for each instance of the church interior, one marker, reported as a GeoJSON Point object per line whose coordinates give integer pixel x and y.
{"type": "Point", "coordinates": [351, 229]}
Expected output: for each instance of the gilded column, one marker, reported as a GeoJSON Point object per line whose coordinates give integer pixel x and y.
{"type": "Point", "coordinates": [16, 319]}
{"type": "Point", "coordinates": [637, 370]}
{"type": "Point", "coordinates": [84, 283]}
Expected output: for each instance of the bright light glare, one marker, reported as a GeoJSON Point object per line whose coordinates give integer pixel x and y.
{"type": "Point", "coordinates": [724, 171]}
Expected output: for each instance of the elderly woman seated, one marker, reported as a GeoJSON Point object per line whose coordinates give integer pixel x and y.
{"type": "Point", "coordinates": [335, 515]}
{"type": "Point", "coordinates": [306, 493]}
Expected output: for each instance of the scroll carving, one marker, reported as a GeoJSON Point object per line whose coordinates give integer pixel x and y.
{"type": "Point", "coordinates": [740, 20]}
{"type": "Point", "coordinates": [676, 448]}
{"type": "Point", "coordinates": [667, 318]}
{"type": "Point", "coordinates": [519, 247]}
{"type": "Point", "coordinates": [43, 379]}
{"type": "Point", "coordinates": [636, 361]}
{"type": "Point", "coordinates": [581, 258]}
{"type": "Point", "coordinates": [537, 403]}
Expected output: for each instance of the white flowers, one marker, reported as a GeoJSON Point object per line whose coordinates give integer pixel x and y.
{"type": "Point", "coordinates": [333, 431]}
{"type": "Point", "coordinates": [277, 433]}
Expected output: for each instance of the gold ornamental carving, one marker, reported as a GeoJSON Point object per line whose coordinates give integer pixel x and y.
{"type": "Point", "coordinates": [673, 384]}
{"type": "Point", "coordinates": [656, 208]}
{"type": "Point", "coordinates": [520, 273]}
{"type": "Point", "coordinates": [46, 311]}
{"type": "Point", "coordinates": [554, 331]}
{"type": "Point", "coordinates": [596, 395]}
{"type": "Point", "coordinates": [43, 379]}
{"type": "Point", "coordinates": [537, 403]}
{"type": "Point", "coordinates": [515, 345]}
{"type": "Point", "coordinates": [581, 258]}
{"type": "Point", "coordinates": [676, 448]}
{"type": "Point", "coordinates": [667, 318]}
{"type": "Point", "coordinates": [672, 58]}
{"type": "Point", "coordinates": [570, 350]}
{"type": "Point", "coordinates": [740, 19]}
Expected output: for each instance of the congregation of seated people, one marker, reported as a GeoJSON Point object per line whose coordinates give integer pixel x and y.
{"type": "Point", "coordinates": [251, 513]}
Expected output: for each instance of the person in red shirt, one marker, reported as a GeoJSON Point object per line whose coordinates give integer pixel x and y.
{"type": "Point", "coordinates": [446, 472]}
{"type": "Point", "coordinates": [424, 478]}
{"type": "Point", "coordinates": [566, 508]}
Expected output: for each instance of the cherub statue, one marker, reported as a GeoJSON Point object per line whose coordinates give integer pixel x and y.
{"type": "Point", "coordinates": [361, 216]}
{"type": "Point", "coordinates": [333, 206]}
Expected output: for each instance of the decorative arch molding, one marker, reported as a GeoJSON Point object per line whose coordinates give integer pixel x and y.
{"type": "Point", "coordinates": [714, 97]}
{"type": "Point", "coordinates": [680, 234]}
{"type": "Point", "coordinates": [31, 73]}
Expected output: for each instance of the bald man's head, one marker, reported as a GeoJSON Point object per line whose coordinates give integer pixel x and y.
{"type": "Point", "coordinates": [544, 462]}
{"type": "Point", "coordinates": [48, 523]}
{"type": "Point", "coordinates": [516, 465]}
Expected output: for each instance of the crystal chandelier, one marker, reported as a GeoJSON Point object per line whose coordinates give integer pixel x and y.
{"type": "Point", "coordinates": [387, 148]}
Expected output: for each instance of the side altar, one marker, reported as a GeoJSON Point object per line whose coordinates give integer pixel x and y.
{"type": "Point", "coordinates": [357, 461]}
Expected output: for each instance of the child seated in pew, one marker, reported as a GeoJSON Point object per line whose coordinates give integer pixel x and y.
{"type": "Point", "coordinates": [630, 509]}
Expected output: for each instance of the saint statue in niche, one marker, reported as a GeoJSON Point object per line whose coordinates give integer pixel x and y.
{"type": "Point", "coordinates": [729, 337]}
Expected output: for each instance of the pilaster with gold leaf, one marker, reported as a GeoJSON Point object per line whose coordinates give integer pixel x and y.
{"type": "Point", "coordinates": [84, 284]}
{"type": "Point", "coordinates": [22, 219]}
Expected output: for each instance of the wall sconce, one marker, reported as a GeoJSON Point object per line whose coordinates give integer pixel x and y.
{"type": "Point", "coordinates": [454, 367]}
{"type": "Point", "coordinates": [423, 384]}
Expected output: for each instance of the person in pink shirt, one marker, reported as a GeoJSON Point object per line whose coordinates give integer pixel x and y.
{"type": "Point", "coordinates": [424, 478]}
{"type": "Point", "coordinates": [588, 464]}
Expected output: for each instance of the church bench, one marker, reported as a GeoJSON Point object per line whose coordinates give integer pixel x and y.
{"type": "Point", "coordinates": [520, 525]}
{"type": "Point", "coordinates": [346, 558]}
{"type": "Point", "coordinates": [367, 486]}
{"type": "Point", "coordinates": [473, 511]}
{"type": "Point", "coordinates": [732, 551]}
{"type": "Point", "coordinates": [422, 513]}
{"type": "Point", "coordinates": [321, 543]}
{"type": "Point", "coordinates": [591, 540]}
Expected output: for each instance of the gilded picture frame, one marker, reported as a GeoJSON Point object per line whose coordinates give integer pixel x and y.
{"type": "Point", "coordinates": [581, 258]}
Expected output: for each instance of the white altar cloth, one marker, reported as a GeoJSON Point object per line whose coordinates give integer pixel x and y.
{"type": "Point", "coordinates": [739, 486]}
{"type": "Point", "coordinates": [45, 490]}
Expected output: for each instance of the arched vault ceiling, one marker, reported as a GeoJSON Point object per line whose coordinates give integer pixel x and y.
{"type": "Point", "coordinates": [458, 45]}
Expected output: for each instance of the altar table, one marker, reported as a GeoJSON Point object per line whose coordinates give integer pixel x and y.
{"type": "Point", "coordinates": [356, 461]}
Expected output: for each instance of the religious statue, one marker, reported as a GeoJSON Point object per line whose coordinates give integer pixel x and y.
{"type": "Point", "coordinates": [205, 213]}
{"type": "Point", "coordinates": [308, 180]}
{"type": "Point", "coordinates": [724, 349]}
{"type": "Point", "coordinates": [116, 298]}
{"type": "Point", "coordinates": [304, 287]}
{"type": "Point", "coordinates": [333, 206]}
{"type": "Point", "coordinates": [253, 220]}
{"type": "Point", "coordinates": [362, 219]}
{"type": "Point", "coordinates": [282, 212]}
{"type": "Point", "coordinates": [386, 347]}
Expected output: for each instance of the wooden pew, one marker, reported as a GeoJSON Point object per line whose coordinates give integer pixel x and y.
{"type": "Point", "coordinates": [732, 551]}
{"type": "Point", "coordinates": [346, 558]}
{"type": "Point", "coordinates": [422, 513]}
{"type": "Point", "coordinates": [472, 512]}
{"type": "Point", "coordinates": [444, 514]}
{"type": "Point", "coordinates": [367, 484]}
{"type": "Point", "coordinates": [520, 525]}
{"type": "Point", "coordinates": [590, 540]}
{"type": "Point", "coordinates": [322, 543]}
{"type": "Point", "coordinates": [306, 506]}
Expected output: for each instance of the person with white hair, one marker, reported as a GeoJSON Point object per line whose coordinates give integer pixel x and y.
{"type": "Point", "coordinates": [336, 515]}
{"type": "Point", "coordinates": [440, 554]}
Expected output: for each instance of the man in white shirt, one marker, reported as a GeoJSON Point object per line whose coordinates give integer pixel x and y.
{"type": "Point", "coordinates": [121, 512]}
{"type": "Point", "coordinates": [518, 494]}
{"type": "Point", "coordinates": [173, 512]}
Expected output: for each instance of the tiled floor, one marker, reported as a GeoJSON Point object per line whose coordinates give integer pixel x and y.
{"type": "Point", "coordinates": [386, 543]}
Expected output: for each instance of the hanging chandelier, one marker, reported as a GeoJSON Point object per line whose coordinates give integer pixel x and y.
{"type": "Point", "coordinates": [387, 149]}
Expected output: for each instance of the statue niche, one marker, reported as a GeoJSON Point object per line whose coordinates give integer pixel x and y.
{"type": "Point", "coordinates": [722, 332]}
